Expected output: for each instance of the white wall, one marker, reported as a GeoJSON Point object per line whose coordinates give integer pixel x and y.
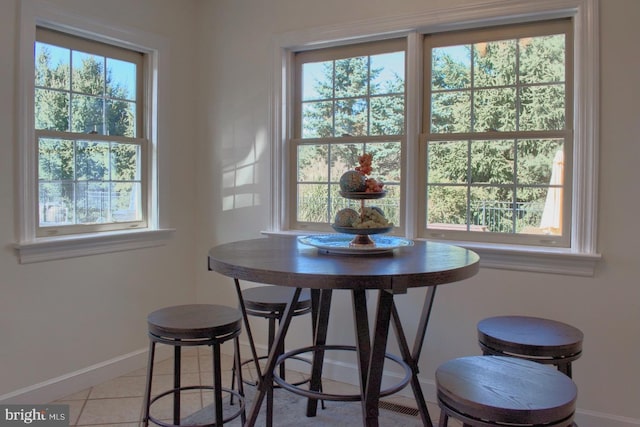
{"type": "Point", "coordinates": [61, 317]}
{"type": "Point", "coordinates": [237, 40]}
{"type": "Point", "coordinates": [58, 318]}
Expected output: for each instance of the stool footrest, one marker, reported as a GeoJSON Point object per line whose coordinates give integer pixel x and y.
{"type": "Point", "coordinates": [255, 383]}
{"type": "Point", "coordinates": [197, 387]}
{"type": "Point", "coordinates": [339, 397]}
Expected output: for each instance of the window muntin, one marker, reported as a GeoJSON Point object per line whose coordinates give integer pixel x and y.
{"type": "Point", "coordinates": [350, 100]}
{"type": "Point", "coordinates": [90, 148]}
{"type": "Point", "coordinates": [498, 122]}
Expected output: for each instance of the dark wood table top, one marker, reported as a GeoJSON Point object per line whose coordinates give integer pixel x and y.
{"type": "Point", "coordinates": [282, 260]}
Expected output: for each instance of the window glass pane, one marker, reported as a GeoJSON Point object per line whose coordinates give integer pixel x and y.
{"type": "Point", "coordinates": [55, 203]}
{"type": "Point", "coordinates": [312, 203]}
{"type": "Point", "coordinates": [92, 161]}
{"type": "Point", "coordinates": [494, 110]}
{"type": "Point", "coordinates": [542, 59]}
{"type": "Point", "coordinates": [344, 157]}
{"type": "Point", "coordinates": [125, 202]}
{"type": "Point", "coordinates": [494, 63]}
{"type": "Point", "coordinates": [312, 163]}
{"type": "Point", "coordinates": [387, 115]}
{"type": "Point", "coordinates": [317, 80]}
{"type": "Point", "coordinates": [352, 77]}
{"type": "Point", "coordinates": [447, 162]}
{"type": "Point", "coordinates": [386, 161]}
{"type": "Point", "coordinates": [125, 162]}
{"type": "Point", "coordinates": [492, 162]}
{"type": "Point", "coordinates": [121, 79]}
{"type": "Point", "coordinates": [531, 207]}
{"type": "Point", "coordinates": [451, 67]}
{"type": "Point", "coordinates": [87, 114]}
{"type": "Point", "coordinates": [351, 117]}
{"type": "Point", "coordinates": [92, 202]}
{"type": "Point", "coordinates": [491, 209]}
{"type": "Point", "coordinates": [51, 110]}
{"type": "Point", "coordinates": [542, 107]}
{"type": "Point", "coordinates": [121, 118]}
{"type": "Point", "coordinates": [537, 160]}
{"type": "Point", "coordinates": [55, 160]}
{"type": "Point", "coordinates": [390, 204]}
{"type": "Point", "coordinates": [52, 66]}
{"type": "Point", "coordinates": [317, 119]}
{"type": "Point", "coordinates": [447, 206]}
{"type": "Point", "coordinates": [387, 73]}
{"type": "Point", "coordinates": [88, 73]}
{"type": "Point", "coordinates": [451, 112]}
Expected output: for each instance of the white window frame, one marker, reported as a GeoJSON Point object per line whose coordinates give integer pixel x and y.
{"type": "Point", "coordinates": [393, 45]}
{"type": "Point", "coordinates": [534, 29]}
{"type": "Point", "coordinates": [581, 258]}
{"type": "Point", "coordinates": [30, 247]}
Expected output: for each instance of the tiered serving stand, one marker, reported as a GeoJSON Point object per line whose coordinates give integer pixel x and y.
{"type": "Point", "coordinates": [362, 242]}
{"type": "Point", "coordinates": [362, 234]}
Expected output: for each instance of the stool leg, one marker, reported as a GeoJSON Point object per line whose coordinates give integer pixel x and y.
{"type": "Point", "coordinates": [444, 419]}
{"type": "Point", "coordinates": [236, 362]}
{"type": "Point", "coordinates": [233, 380]}
{"type": "Point", "coordinates": [280, 351]}
{"type": "Point", "coordinates": [272, 334]}
{"type": "Point", "coordinates": [217, 384]}
{"type": "Point", "coordinates": [565, 368]}
{"type": "Point", "coordinates": [147, 391]}
{"type": "Point", "coordinates": [176, 384]}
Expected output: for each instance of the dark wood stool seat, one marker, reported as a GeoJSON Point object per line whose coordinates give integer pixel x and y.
{"type": "Point", "coordinates": [499, 391]}
{"type": "Point", "coordinates": [194, 325]}
{"type": "Point", "coordinates": [532, 338]}
{"type": "Point", "coordinates": [269, 302]}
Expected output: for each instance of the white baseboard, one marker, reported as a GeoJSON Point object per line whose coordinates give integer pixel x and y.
{"type": "Point", "coordinates": [65, 385]}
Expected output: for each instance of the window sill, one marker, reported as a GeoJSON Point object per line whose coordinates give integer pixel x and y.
{"type": "Point", "coordinates": [520, 258]}
{"type": "Point", "coordinates": [61, 247]}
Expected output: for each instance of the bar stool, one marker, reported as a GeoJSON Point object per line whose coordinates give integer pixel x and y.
{"type": "Point", "coordinates": [194, 325]}
{"type": "Point", "coordinates": [532, 338]}
{"type": "Point", "coordinates": [483, 391]}
{"type": "Point", "coordinates": [269, 302]}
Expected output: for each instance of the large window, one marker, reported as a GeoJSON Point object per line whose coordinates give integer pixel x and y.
{"type": "Point", "coordinates": [349, 101]}
{"type": "Point", "coordinates": [88, 108]}
{"type": "Point", "coordinates": [489, 140]}
{"type": "Point", "coordinates": [498, 127]}
{"type": "Point", "coordinates": [90, 131]}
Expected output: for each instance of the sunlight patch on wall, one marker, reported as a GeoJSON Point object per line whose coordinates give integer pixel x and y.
{"type": "Point", "coordinates": [240, 180]}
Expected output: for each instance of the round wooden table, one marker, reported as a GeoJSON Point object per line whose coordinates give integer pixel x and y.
{"type": "Point", "coordinates": [284, 261]}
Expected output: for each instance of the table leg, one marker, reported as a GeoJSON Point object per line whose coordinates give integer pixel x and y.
{"type": "Point", "coordinates": [376, 359]}
{"type": "Point", "coordinates": [266, 380]}
{"type": "Point", "coordinates": [321, 324]}
{"type": "Point", "coordinates": [247, 328]}
{"type": "Point", "coordinates": [363, 337]}
{"type": "Point", "coordinates": [413, 364]}
{"type": "Point", "coordinates": [424, 322]}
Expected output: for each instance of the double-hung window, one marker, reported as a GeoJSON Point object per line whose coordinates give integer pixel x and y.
{"type": "Point", "coordinates": [498, 134]}
{"type": "Point", "coordinates": [91, 149]}
{"type": "Point", "coordinates": [349, 101]}
{"type": "Point", "coordinates": [90, 130]}
{"type": "Point", "coordinates": [482, 123]}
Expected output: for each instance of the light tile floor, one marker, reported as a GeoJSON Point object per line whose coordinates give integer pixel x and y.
{"type": "Point", "coordinates": [118, 402]}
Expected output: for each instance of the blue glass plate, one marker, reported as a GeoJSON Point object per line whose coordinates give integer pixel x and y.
{"type": "Point", "coordinates": [341, 243]}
